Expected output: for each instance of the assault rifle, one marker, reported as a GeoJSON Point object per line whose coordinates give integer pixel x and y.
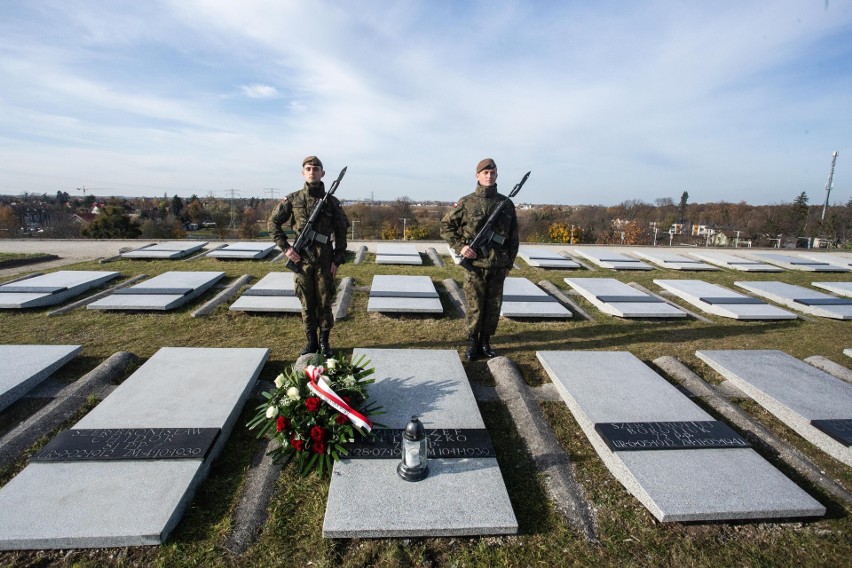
{"type": "Point", "coordinates": [308, 234]}
{"type": "Point", "coordinates": [481, 243]}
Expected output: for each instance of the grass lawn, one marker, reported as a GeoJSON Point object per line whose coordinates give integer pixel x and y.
{"type": "Point", "coordinates": [629, 535]}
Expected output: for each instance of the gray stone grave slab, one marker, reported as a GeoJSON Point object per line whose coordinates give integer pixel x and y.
{"type": "Point", "coordinates": [721, 301]}
{"type": "Point", "coordinates": [839, 288]}
{"type": "Point", "coordinates": [673, 484]}
{"type": "Point", "coordinates": [835, 258]}
{"type": "Point", "coordinates": [51, 289]}
{"type": "Point", "coordinates": [403, 294]}
{"type": "Point", "coordinates": [275, 292]}
{"type": "Point", "coordinates": [544, 258]}
{"type": "Point", "coordinates": [395, 253]}
{"type": "Point", "coordinates": [167, 291]}
{"type": "Point", "coordinates": [242, 251]}
{"type": "Point", "coordinates": [167, 250]}
{"type": "Point", "coordinates": [734, 262]}
{"type": "Point", "coordinates": [633, 303]}
{"type": "Point", "coordinates": [23, 367]}
{"type": "Point", "coordinates": [847, 352]}
{"type": "Point", "coordinates": [454, 255]}
{"type": "Point", "coordinates": [673, 260]}
{"type": "Point", "coordinates": [792, 390]}
{"type": "Point", "coordinates": [792, 262]}
{"type": "Point", "coordinates": [607, 258]}
{"type": "Point", "coordinates": [802, 299]}
{"type": "Point", "coordinates": [94, 504]}
{"type": "Point", "coordinates": [459, 496]}
{"type": "Point", "coordinates": [523, 299]}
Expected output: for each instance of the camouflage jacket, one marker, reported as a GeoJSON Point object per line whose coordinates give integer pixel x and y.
{"type": "Point", "coordinates": [294, 211]}
{"type": "Point", "coordinates": [460, 225]}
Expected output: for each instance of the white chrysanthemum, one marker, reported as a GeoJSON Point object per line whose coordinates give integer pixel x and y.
{"type": "Point", "coordinates": [293, 393]}
{"type": "Point", "coordinates": [271, 412]}
{"type": "Point", "coordinates": [349, 381]}
{"type": "Point", "coordinates": [279, 381]}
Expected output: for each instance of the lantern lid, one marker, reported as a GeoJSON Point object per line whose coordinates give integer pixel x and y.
{"type": "Point", "coordinates": [414, 431]}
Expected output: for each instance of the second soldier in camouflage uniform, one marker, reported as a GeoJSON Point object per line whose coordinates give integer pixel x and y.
{"type": "Point", "coordinates": [319, 262]}
{"type": "Point", "coordinates": [483, 285]}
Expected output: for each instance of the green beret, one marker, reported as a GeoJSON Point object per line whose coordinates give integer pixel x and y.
{"type": "Point", "coordinates": [486, 164]}
{"type": "Point", "coordinates": [312, 160]}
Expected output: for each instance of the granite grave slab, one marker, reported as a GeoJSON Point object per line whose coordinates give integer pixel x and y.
{"type": "Point", "coordinates": [465, 496]}
{"type": "Point", "coordinates": [244, 250]}
{"type": "Point", "coordinates": [51, 289]}
{"type": "Point", "coordinates": [523, 299]}
{"type": "Point", "coordinates": [840, 259]}
{"type": "Point", "coordinates": [275, 292]}
{"type": "Point", "coordinates": [167, 291]}
{"type": "Point", "coordinates": [839, 288]}
{"type": "Point", "coordinates": [673, 260]}
{"type": "Point", "coordinates": [544, 258]}
{"type": "Point", "coordinates": [168, 250]}
{"type": "Point", "coordinates": [457, 258]}
{"type": "Point", "coordinates": [793, 262]}
{"type": "Point", "coordinates": [396, 253]}
{"type": "Point", "coordinates": [795, 392]}
{"type": "Point", "coordinates": [618, 299]}
{"type": "Point", "coordinates": [607, 258]}
{"type": "Point", "coordinates": [802, 299]}
{"type": "Point", "coordinates": [23, 367]}
{"type": "Point", "coordinates": [734, 262]}
{"type": "Point", "coordinates": [132, 502]}
{"type": "Point", "coordinates": [724, 302]}
{"type": "Point", "coordinates": [403, 294]}
{"type": "Point", "coordinates": [695, 484]}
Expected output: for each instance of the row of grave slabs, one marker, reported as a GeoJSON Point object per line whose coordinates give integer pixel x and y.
{"type": "Point", "coordinates": [661, 453]}
{"type": "Point", "coordinates": [173, 416]}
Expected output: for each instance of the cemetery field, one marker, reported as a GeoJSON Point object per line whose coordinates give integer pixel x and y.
{"type": "Point", "coordinates": [626, 533]}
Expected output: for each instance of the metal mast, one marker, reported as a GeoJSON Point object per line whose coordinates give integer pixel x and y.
{"type": "Point", "coordinates": [829, 184]}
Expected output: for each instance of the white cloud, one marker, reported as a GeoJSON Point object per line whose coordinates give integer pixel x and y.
{"type": "Point", "coordinates": [256, 91]}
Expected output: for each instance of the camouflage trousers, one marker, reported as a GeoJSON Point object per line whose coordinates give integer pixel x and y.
{"type": "Point", "coordinates": [483, 289]}
{"type": "Point", "coordinates": [315, 289]}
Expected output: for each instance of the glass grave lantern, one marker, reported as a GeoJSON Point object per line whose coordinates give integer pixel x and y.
{"type": "Point", "coordinates": [413, 466]}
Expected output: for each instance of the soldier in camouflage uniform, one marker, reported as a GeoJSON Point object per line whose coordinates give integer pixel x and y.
{"type": "Point", "coordinates": [319, 262]}
{"type": "Point", "coordinates": [483, 286]}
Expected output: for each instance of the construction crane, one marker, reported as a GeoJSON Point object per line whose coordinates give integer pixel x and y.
{"type": "Point", "coordinates": [829, 184]}
{"type": "Point", "coordinates": [84, 189]}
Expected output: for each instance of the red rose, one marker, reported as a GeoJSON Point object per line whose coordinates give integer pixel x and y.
{"type": "Point", "coordinates": [347, 400]}
{"type": "Point", "coordinates": [319, 447]}
{"type": "Point", "coordinates": [317, 434]}
{"type": "Point", "coordinates": [281, 423]}
{"type": "Point", "coordinates": [341, 419]}
{"type": "Point", "coordinates": [298, 445]}
{"type": "Point", "coordinates": [312, 403]}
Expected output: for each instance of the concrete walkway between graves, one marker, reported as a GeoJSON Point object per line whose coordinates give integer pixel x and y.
{"type": "Point", "coordinates": [737, 417]}
{"type": "Point", "coordinates": [67, 402]}
{"type": "Point", "coordinates": [550, 459]}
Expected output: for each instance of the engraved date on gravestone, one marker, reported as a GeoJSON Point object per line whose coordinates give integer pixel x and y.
{"type": "Point", "coordinates": [839, 429]}
{"type": "Point", "coordinates": [636, 436]}
{"type": "Point", "coordinates": [443, 443]}
{"type": "Point", "coordinates": [129, 444]}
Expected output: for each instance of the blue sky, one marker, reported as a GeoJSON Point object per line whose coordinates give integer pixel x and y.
{"type": "Point", "coordinates": [603, 101]}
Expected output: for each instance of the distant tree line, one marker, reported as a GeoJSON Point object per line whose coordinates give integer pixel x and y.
{"type": "Point", "coordinates": [632, 222]}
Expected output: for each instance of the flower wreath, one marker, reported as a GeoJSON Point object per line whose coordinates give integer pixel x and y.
{"type": "Point", "coordinates": [314, 412]}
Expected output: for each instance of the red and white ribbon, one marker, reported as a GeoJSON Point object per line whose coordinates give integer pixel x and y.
{"type": "Point", "coordinates": [326, 393]}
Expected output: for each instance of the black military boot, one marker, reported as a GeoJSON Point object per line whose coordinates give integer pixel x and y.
{"type": "Point", "coordinates": [472, 347]}
{"type": "Point", "coordinates": [485, 345]}
{"type": "Point", "coordinates": [324, 346]}
{"type": "Point", "coordinates": [311, 346]}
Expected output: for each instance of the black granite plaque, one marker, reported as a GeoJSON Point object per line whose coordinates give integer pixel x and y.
{"type": "Point", "coordinates": [129, 444]}
{"type": "Point", "coordinates": [443, 443]}
{"type": "Point", "coordinates": [637, 436]}
{"type": "Point", "coordinates": [839, 429]}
